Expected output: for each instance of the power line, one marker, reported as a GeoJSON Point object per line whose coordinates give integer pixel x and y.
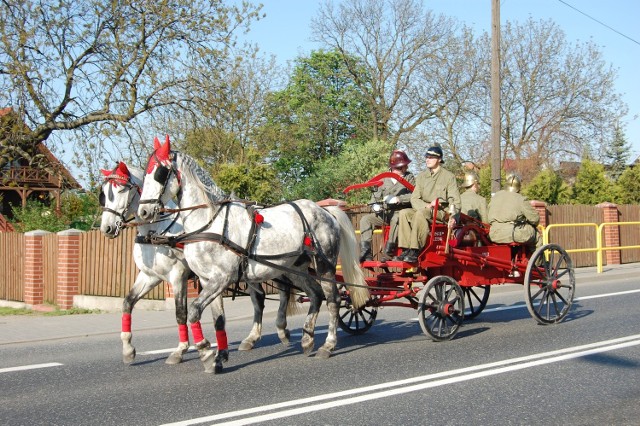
{"type": "Point", "coordinates": [599, 22]}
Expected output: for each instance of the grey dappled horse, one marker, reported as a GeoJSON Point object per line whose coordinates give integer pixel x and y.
{"type": "Point", "coordinates": [160, 262]}
{"type": "Point", "coordinates": [227, 241]}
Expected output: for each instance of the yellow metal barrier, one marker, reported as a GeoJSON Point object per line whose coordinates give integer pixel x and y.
{"type": "Point", "coordinates": [599, 249]}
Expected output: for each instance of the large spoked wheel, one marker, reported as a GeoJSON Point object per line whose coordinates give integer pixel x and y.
{"type": "Point", "coordinates": [355, 321]}
{"type": "Point", "coordinates": [441, 308]}
{"type": "Point", "coordinates": [549, 284]}
{"type": "Point", "coordinates": [475, 300]}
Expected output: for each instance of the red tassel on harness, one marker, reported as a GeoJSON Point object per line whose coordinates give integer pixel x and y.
{"type": "Point", "coordinates": [258, 218]}
{"type": "Point", "coordinates": [307, 241]}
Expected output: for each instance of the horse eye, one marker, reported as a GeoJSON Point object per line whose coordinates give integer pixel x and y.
{"type": "Point", "coordinates": [161, 174]}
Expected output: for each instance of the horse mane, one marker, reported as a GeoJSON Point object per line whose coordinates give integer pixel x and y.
{"type": "Point", "coordinates": [192, 171]}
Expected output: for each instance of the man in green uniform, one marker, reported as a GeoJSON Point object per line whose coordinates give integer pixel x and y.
{"type": "Point", "coordinates": [473, 204]}
{"type": "Point", "coordinates": [434, 183]}
{"type": "Point", "coordinates": [394, 196]}
{"type": "Point", "coordinates": [512, 217]}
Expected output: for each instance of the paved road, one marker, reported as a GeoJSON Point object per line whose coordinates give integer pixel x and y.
{"type": "Point", "coordinates": [502, 368]}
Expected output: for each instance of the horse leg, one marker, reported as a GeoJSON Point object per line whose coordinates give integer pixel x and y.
{"type": "Point", "coordinates": [287, 306]}
{"type": "Point", "coordinates": [315, 295]}
{"type": "Point", "coordinates": [180, 299]}
{"type": "Point", "coordinates": [333, 305]}
{"type": "Point", "coordinates": [207, 356]}
{"type": "Point", "coordinates": [222, 353]}
{"type": "Point", "coordinates": [143, 284]}
{"type": "Point", "coordinates": [257, 298]}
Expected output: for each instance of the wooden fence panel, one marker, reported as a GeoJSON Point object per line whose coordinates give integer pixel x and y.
{"type": "Point", "coordinates": [629, 234]}
{"type": "Point", "coordinates": [12, 268]}
{"type": "Point", "coordinates": [576, 237]}
{"type": "Point", "coordinates": [107, 267]}
{"type": "Point", "coordinates": [50, 263]}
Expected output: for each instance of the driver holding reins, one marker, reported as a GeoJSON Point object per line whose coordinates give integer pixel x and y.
{"type": "Point", "coordinates": [394, 196]}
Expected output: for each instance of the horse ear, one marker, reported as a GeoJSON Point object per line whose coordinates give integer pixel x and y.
{"type": "Point", "coordinates": [156, 143]}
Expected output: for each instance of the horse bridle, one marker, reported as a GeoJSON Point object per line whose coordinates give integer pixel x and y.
{"type": "Point", "coordinates": [128, 185]}
{"type": "Point", "coordinates": [162, 176]}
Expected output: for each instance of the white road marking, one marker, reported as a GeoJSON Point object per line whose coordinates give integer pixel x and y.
{"type": "Point", "coordinates": [169, 350]}
{"type": "Point", "coordinates": [30, 367]}
{"type": "Point", "coordinates": [414, 384]}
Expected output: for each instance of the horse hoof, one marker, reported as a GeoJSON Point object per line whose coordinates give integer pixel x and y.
{"type": "Point", "coordinates": [222, 355]}
{"type": "Point", "coordinates": [129, 357]}
{"type": "Point", "coordinates": [208, 360]}
{"type": "Point", "coordinates": [245, 346]}
{"type": "Point", "coordinates": [174, 358]}
{"type": "Point", "coordinates": [323, 353]}
{"type": "Point", "coordinates": [307, 350]}
{"type": "Point", "coordinates": [217, 369]}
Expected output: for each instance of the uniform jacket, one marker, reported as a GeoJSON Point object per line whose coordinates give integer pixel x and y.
{"type": "Point", "coordinates": [441, 184]}
{"type": "Point", "coordinates": [395, 189]}
{"type": "Point", "coordinates": [505, 209]}
{"type": "Point", "coordinates": [474, 205]}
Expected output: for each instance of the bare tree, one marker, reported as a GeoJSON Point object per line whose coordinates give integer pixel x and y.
{"type": "Point", "coordinates": [399, 46]}
{"type": "Point", "coordinates": [68, 64]}
{"type": "Point", "coordinates": [558, 98]}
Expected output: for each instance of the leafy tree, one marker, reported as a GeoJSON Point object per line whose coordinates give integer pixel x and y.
{"type": "Point", "coordinates": [355, 164]}
{"type": "Point", "coordinates": [250, 180]}
{"type": "Point", "coordinates": [549, 187]}
{"type": "Point", "coordinates": [628, 186]}
{"type": "Point", "coordinates": [592, 185]}
{"type": "Point", "coordinates": [319, 111]}
{"type": "Point", "coordinates": [68, 65]}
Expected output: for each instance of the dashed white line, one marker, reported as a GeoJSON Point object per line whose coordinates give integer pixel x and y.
{"type": "Point", "coordinates": [30, 367]}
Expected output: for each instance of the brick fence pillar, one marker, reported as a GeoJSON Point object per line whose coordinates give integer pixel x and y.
{"type": "Point", "coordinates": [68, 284]}
{"type": "Point", "coordinates": [611, 233]}
{"type": "Point", "coordinates": [541, 208]}
{"type": "Point", "coordinates": [34, 267]}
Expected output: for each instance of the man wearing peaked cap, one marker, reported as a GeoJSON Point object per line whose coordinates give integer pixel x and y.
{"type": "Point", "coordinates": [432, 184]}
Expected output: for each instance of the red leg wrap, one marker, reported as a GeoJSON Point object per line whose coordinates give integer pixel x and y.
{"type": "Point", "coordinates": [196, 331]}
{"type": "Point", "coordinates": [221, 340]}
{"type": "Point", "coordinates": [183, 332]}
{"type": "Point", "coordinates": [126, 323]}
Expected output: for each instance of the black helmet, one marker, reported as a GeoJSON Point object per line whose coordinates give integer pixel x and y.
{"type": "Point", "coordinates": [435, 151]}
{"type": "Point", "coordinates": [398, 159]}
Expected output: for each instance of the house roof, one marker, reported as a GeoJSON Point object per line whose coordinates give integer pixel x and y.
{"type": "Point", "coordinates": [69, 181]}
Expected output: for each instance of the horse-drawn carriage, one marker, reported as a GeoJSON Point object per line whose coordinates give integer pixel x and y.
{"type": "Point", "coordinates": [297, 244]}
{"type": "Point", "coordinates": [454, 274]}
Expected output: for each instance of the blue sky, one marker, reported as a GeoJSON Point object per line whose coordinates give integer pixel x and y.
{"type": "Point", "coordinates": [285, 32]}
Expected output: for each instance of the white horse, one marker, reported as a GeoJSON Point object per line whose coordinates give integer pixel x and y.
{"type": "Point", "coordinates": [228, 240]}
{"type": "Point", "coordinates": [161, 262]}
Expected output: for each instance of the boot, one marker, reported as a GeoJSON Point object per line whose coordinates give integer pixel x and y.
{"type": "Point", "coordinates": [365, 251]}
{"type": "Point", "coordinates": [389, 251]}
{"type": "Point", "coordinates": [411, 256]}
{"type": "Point", "coordinates": [401, 256]}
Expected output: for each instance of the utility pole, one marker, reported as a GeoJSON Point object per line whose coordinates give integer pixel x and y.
{"type": "Point", "coordinates": [495, 97]}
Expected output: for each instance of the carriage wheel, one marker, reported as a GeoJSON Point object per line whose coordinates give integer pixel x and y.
{"type": "Point", "coordinates": [549, 284]}
{"type": "Point", "coordinates": [441, 308]}
{"type": "Point", "coordinates": [355, 321]}
{"type": "Point", "coordinates": [475, 300]}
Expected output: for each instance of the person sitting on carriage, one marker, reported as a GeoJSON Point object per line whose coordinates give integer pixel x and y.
{"type": "Point", "coordinates": [394, 196]}
{"type": "Point", "coordinates": [432, 184]}
{"type": "Point", "coordinates": [511, 216]}
{"type": "Point", "coordinates": [473, 204]}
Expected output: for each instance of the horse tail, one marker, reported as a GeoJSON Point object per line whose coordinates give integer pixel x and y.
{"type": "Point", "coordinates": [351, 270]}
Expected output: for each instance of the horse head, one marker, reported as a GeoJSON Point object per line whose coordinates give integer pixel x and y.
{"type": "Point", "coordinates": [161, 181]}
{"type": "Point", "coordinates": [117, 199]}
